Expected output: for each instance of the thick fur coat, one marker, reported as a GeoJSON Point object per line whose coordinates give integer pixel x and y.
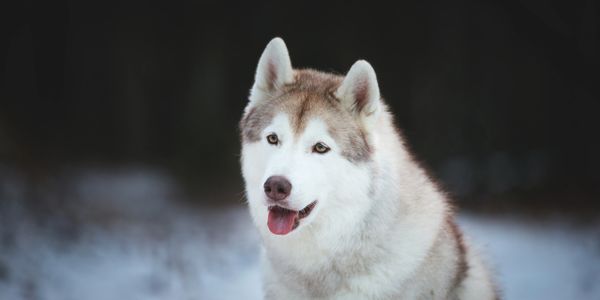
{"type": "Point", "coordinates": [352, 215]}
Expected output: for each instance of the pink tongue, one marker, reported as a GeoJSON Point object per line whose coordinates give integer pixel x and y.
{"type": "Point", "coordinates": [281, 221]}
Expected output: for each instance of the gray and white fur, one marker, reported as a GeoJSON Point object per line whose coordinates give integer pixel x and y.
{"type": "Point", "coordinates": [369, 223]}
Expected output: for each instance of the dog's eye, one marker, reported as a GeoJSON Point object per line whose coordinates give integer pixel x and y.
{"type": "Point", "coordinates": [272, 139]}
{"type": "Point", "coordinates": [320, 148]}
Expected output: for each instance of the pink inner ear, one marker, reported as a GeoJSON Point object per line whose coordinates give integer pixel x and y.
{"type": "Point", "coordinates": [271, 75]}
{"type": "Point", "coordinates": [361, 94]}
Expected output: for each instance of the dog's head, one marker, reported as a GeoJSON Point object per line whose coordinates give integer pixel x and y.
{"type": "Point", "coordinates": [306, 143]}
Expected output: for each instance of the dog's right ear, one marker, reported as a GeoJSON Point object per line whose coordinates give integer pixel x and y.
{"type": "Point", "coordinates": [359, 91]}
{"type": "Point", "coordinates": [273, 72]}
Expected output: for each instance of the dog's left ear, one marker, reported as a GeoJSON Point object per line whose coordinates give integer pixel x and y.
{"type": "Point", "coordinates": [359, 92]}
{"type": "Point", "coordinates": [274, 70]}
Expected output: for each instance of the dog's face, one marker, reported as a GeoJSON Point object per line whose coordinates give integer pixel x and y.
{"type": "Point", "coordinates": [306, 144]}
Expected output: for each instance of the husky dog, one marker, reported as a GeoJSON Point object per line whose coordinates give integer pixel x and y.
{"type": "Point", "coordinates": [343, 210]}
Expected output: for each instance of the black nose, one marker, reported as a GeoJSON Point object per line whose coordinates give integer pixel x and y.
{"type": "Point", "coordinates": [277, 188]}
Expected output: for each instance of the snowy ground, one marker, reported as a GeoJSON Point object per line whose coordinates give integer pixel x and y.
{"type": "Point", "coordinates": [550, 259]}
{"type": "Point", "coordinates": [121, 236]}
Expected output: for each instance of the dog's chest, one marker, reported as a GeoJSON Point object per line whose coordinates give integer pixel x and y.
{"type": "Point", "coordinates": [348, 274]}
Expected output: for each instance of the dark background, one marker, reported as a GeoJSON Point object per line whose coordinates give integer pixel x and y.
{"type": "Point", "coordinates": [500, 99]}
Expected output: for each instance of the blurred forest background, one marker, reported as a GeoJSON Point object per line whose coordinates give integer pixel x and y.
{"type": "Point", "coordinates": [119, 144]}
{"type": "Point", "coordinates": [499, 98]}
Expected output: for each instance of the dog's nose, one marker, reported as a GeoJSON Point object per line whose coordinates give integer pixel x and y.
{"type": "Point", "coordinates": [277, 188]}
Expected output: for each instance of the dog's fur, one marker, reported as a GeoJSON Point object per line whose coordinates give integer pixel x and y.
{"type": "Point", "coordinates": [381, 228]}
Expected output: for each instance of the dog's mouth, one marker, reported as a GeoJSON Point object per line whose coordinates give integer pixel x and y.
{"type": "Point", "coordinates": [283, 220]}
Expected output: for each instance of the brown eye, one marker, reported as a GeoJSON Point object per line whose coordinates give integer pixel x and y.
{"type": "Point", "coordinates": [272, 139]}
{"type": "Point", "coordinates": [320, 148]}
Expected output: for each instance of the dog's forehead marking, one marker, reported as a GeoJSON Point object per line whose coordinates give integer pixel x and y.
{"type": "Point", "coordinates": [306, 106]}
{"type": "Point", "coordinates": [309, 98]}
{"type": "Point", "coordinates": [341, 125]}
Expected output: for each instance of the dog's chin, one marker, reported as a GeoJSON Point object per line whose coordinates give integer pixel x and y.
{"type": "Point", "coordinates": [282, 220]}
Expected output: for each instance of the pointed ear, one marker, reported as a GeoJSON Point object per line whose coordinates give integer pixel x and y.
{"type": "Point", "coordinates": [273, 72]}
{"type": "Point", "coordinates": [359, 92]}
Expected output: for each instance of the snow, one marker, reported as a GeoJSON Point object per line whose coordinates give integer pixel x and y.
{"type": "Point", "coordinates": [124, 235]}
{"type": "Point", "coordinates": [544, 259]}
